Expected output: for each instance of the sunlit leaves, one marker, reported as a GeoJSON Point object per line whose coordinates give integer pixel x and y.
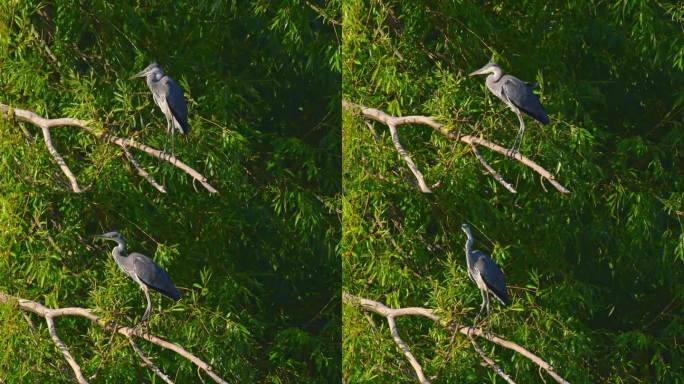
{"type": "Point", "coordinates": [582, 269]}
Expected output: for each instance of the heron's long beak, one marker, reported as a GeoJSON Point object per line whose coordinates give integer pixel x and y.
{"type": "Point", "coordinates": [478, 72]}
{"type": "Point", "coordinates": [101, 237]}
{"type": "Point", "coordinates": [139, 74]}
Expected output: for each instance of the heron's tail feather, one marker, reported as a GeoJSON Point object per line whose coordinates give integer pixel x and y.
{"type": "Point", "coordinates": [501, 296]}
{"type": "Point", "coordinates": [182, 127]}
{"type": "Point", "coordinates": [170, 292]}
{"type": "Point", "coordinates": [538, 114]}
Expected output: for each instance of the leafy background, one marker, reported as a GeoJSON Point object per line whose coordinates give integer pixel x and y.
{"type": "Point", "coordinates": [254, 263]}
{"type": "Point", "coordinates": [595, 276]}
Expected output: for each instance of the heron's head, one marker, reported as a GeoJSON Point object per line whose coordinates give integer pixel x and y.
{"type": "Point", "coordinates": [113, 235]}
{"type": "Point", "coordinates": [152, 68]}
{"type": "Point", "coordinates": [487, 69]}
{"type": "Point", "coordinates": [465, 228]}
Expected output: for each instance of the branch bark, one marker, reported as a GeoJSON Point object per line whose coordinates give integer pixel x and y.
{"type": "Point", "coordinates": [149, 362]}
{"type": "Point", "coordinates": [407, 352]}
{"type": "Point", "coordinates": [393, 121]}
{"type": "Point", "coordinates": [142, 172]}
{"type": "Point", "coordinates": [49, 315]}
{"type": "Point", "coordinates": [491, 170]}
{"type": "Point", "coordinates": [385, 311]}
{"type": "Point", "coordinates": [47, 124]}
{"type": "Point", "coordinates": [488, 360]}
{"type": "Point", "coordinates": [65, 351]}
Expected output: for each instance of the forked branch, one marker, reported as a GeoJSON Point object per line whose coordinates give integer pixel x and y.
{"type": "Point", "coordinates": [393, 122]}
{"type": "Point", "coordinates": [47, 124]}
{"type": "Point", "coordinates": [391, 313]}
{"type": "Point", "coordinates": [131, 333]}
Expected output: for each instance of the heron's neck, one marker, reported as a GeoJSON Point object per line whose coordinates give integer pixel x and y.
{"type": "Point", "coordinates": [118, 251]}
{"type": "Point", "coordinates": [495, 75]}
{"type": "Point", "coordinates": [468, 247]}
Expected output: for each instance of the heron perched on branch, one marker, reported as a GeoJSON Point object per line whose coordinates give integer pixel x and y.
{"type": "Point", "coordinates": [169, 98]}
{"type": "Point", "coordinates": [142, 270]}
{"type": "Point", "coordinates": [517, 95]}
{"type": "Point", "coordinates": [483, 271]}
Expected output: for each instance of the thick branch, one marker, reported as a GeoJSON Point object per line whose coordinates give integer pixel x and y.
{"type": "Point", "coordinates": [384, 118]}
{"type": "Point", "coordinates": [383, 310]}
{"type": "Point", "coordinates": [47, 124]}
{"type": "Point", "coordinates": [39, 309]}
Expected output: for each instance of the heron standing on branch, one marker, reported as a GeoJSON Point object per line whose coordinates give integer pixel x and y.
{"type": "Point", "coordinates": [517, 95]}
{"type": "Point", "coordinates": [483, 271]}
{"type": "Point", "coordinates": [169, 98]}
{"type": "Point", "coordinates": [142, 270]}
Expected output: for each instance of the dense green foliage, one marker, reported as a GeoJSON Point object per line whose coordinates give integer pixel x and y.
{"type": "Point", "coordinates": [596, 275]}
{"type": "Point", "coordinates": [254, 263]}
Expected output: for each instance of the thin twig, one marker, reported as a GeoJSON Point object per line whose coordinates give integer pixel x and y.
{"type": "Point", "coordinates": [491, 170]}
{"type": "Point", "coordinates": [383, 310]}
{"type": "Point", "coordinates": [47, 124]}
{"type": "Point", "coordinates": [382, 117]}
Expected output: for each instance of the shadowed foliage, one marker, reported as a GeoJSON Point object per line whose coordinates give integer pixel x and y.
{"type": "Point", "coordinates": [255, 264]}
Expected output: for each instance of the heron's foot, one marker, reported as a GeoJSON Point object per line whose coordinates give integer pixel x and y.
{"type": "Point", "coordinates": [512, 152]}
{"type": "Point", "coordinates": [141, 327]}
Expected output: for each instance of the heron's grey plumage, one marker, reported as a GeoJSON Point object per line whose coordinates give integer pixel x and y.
{"type": "Point", "coordinates": [516, 94]}
{"type": "Point", "coordinates": [168, 96]}
{"type": "Point", "coordinates": [484, 273]}
{"type": "Point", "coordinates": [142, 270]}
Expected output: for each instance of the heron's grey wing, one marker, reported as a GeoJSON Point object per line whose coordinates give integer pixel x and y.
{"type": "Point", "coordinates": [492, 276]}
{"type": "Point", "coordinates": [153, 276]}
{"type": "Point", "coordinates": [176, 103]}
{"type": "Point", "coordinates": [521, 95]}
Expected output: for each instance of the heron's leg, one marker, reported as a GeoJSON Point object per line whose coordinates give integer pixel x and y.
{"type": "Point", "coordinates": [484, 301]}
{"type": "Point", "coordinates": [148, 310]}
{"type": "Point", "coordinates": [518, 138]}
{"type": "Point", "coordinates": [169, 127]}
{"type": "Point", "coordinates": [173, 139]}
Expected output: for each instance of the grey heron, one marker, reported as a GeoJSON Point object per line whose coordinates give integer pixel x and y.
{"type": "Point", "coordinates": [517, 95]}
{"type": "Point", "coordinates": [142, 270]}
{"type": "Point", "coordinates": [483, 271]}
{"type": "Point", "coordinates": [168, 96]}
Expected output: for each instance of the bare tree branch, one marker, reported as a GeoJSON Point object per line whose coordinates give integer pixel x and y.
{"type": "Point", "coordinates": [142, 172]}
{"type": "Point", "coordinates": [491, 170]}
{"type": "Point", "coordinates": [59, 159]}
{"type": "Point", "coordinates": [383, 310]}
{"type": "Point", "coordinates": [407, 158]}
{"type": "Point", "coordinates": [49, 314]}
{"type": "Point", "coordinates": [384, 118]}
{"type": "Point", "coordinates": [65, 351]}
{"type": "Point", "coordinates": [488, 360]}
{"type": "Point", "coordinates": [47, 124]}
{"type": "Point", "coordinates": [149, 362]}
{"type": "Point", "coordinates": [407, 352]}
